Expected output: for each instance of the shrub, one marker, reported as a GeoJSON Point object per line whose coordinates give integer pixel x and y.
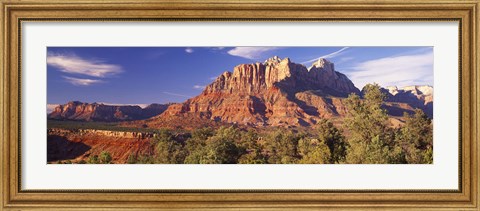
{"type": "Point", "coordinates": [105, 157]}
{"type": "Point", "coordinates": [93, 159]}
{"type": "Point", "coordinates": [131, 159]}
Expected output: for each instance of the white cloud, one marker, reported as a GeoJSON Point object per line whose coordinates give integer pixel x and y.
{"type": "Point", "coordinates": [75, 65]}
{"type": "Point", "coordinates": [213, 78]}
{"type": "Point", "coordinates": [346, 59]}
{"type": "Point", "coordinates": [189, 50]}
{"type": "Point", "coordinates": [253, 53]}
{"type": "Point", "coordinates": [405, 70]}
{"type": "Point", "coordinates": [199, 87]}
{"type": "Point", "coordinates": [81, 81]}
{"type": "Point", "coordinates": [327, 56]}
{"type": "Point", "coordinates": [176, 94]}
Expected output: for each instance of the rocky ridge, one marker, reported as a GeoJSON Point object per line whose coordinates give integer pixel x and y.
{"type": "Point", "coordinates": [76, 110]}
{"type": "Point", "coordinates": [415, 96]}
{"type": "Point", "coordinates": [277, 92]}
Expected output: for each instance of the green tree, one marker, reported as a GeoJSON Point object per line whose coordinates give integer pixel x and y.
{"type": "Point", "coordinates": [105, 157]}
{"type": "Point", "coordinates": [416, 137]}
{"type": "Point", "coordinates": [195, 155]}
{"type": "Point", "coordinates": [228, 133]}
{"type": "Point", "coordinates": [167, 149]}
{"type": "Point", "coordinates": [332, 137]}
{"type": "Point", "coordinates": [281, 147]}
{"type": "Point", "coordinates": [313, 151]}
{"type": "Point", "coordinates": [371, 140]}
{"type": "Point", "coordinates": [251, 151]}
{"type": "Point", "coordinates": [131, 159]}
{"type": "Point", "coordinates": [428, 155]}
{"type": "Point", "coordinates": [220, 151]}
{"type": "Point", "coordinates": [93, 159]}
{"type": "Point", "coordinates": [145, 159]}
{"type": "Point", "coordinates": [217, 149]}
{"type": "Point", "coordinates": [195, 145]}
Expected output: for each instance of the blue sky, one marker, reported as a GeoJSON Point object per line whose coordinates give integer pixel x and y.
{"type": "Point", "coordinates": [144, 75]}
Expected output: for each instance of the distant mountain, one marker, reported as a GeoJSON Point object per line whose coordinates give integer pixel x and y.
{"type": "Point", "coordinates": [277, 92]}
{"type": "Point", "coordinates": [415, 96]}
{"type": "Point", "coordinates": [76, 110]}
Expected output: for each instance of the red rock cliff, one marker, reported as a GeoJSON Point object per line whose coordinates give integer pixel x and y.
{"type": "Point", "coordinates": [276, 92]}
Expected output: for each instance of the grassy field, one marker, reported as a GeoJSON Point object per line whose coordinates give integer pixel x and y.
{"type": "Point", "coordinates": [111, 126]}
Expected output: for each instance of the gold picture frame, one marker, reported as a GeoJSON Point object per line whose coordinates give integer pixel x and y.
{"type": "Point", "coordinates": [14, 13]}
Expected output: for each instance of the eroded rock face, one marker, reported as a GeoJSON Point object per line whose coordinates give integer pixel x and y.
{"type": "Point", "coordinates": [154, 109]}
{"type": "Point", "coordinates": [415, 96]}
{"type": "Point", "coordinates": [277, 92]}
{"type": "Point", "coordinates": [99, 112]}
{"type": "Point", "coordinates": [77, 145]}
{"type": "Point", "coordinates": [283, 74]}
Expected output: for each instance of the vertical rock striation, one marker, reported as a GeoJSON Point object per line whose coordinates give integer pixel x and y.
{"type": "Point", "coordinates": [277, 92]}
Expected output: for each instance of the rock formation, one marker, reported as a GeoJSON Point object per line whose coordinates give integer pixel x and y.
{"type": "Point", "coordinates": [100, 112]}
{"type": "Point", "coordinates": [283, 74]}
{"type": "Point", "coordinates": [277, 92]}
{"type": "Point", "coordinates": [415, 96]}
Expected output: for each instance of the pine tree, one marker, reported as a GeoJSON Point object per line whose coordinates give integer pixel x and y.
{"type": "Point", "coordinates": [370, 140]}
{"type": "Point", "coordinates": [313, 151]}
{"type": "Point", "coordinates": [416, 138]}
{"type": "Point", "coordinates": [333, 138]}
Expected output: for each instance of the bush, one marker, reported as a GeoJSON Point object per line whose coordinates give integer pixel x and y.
{"type": "Point", "coordinates": [371, 140]}
{"type": "Point", "coordinates": [93, 159]}
{"type": "Point", "coordinates": [131, 159]}
{"type": "Point", "coordinates": [332, 137]}
{"type": "Point", "coordinates": [416, 138]}
{"type": "Point", "coordinates": [145, 159]}
{"type": "Point", "coordinates": [105, 157]}
{"type": "Point", "coordinates": [281, 147]}
{"type": "Point", "coordinates": [219, 148]}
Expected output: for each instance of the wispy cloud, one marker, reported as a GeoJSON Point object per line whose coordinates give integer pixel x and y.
{"type": "Point", "coordinates": [199, 87]}
{"type": "Point", "coordinates": [75, 65]}
{"type": "Point", "coordinates": [189, 50]}
{"type": "Point", "coordinates": [81, 81]}
{"type": "Point", "coordinates": [253, 53]}
{"type": "Point", "coordinates": [413, 69]}
{"type": "Point", "coordinates": [176, 94]}
{"type": "Point", "coordinates": [213, 78]}
{"type": "Point", "coordinates": [346, 59]}
{"type": "Point", "coordinates": [327, 56]}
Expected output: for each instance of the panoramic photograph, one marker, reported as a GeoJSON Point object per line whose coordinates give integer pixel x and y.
{"type": "Point", "coordinates": [240, 105]}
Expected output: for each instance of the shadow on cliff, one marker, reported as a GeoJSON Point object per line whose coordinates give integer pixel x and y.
{"type": "Point", "coordinates": [60, 148]}
{"type": "Point", "coordinates": [396, 111]}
